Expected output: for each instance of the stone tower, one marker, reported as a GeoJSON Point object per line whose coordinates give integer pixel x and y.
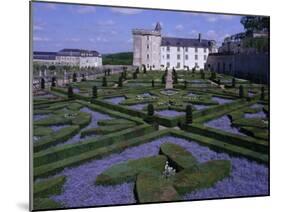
{"type": "Point", "coordinates": [146, 47]}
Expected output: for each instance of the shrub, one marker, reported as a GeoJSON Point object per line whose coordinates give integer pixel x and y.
{"type": "Point", "coordinates": [219, 82]}
{"type": "Point", "coordinates": [104, 82]}
{"type": "Point", "coordinates": [202, 75]}
{"type": "Point", "coordinates": [152, 83]}
{"type": "Point", "coordinates": [54, 80]}
{"type": "Point", "coordinates": [144, 69]}
{"type": "Point", "coordinates": [42, 83]}
{"type": "Point", "coordinates": [74, 77]}
{"type": "Point", "coordinates": [233, 82]}
{"type": "Point", "coordinates": [83, 78]}
{"type": "Point", "coordinates": [120, 81]}
{"type": "Point", "coordinates": [188, 114]}
{"type": "Point", "coordinates": [213, 75]}
{"type": "Point", "coordinates": [175, 78]}
{"type": "Point", "coordinates": [137, 70]}
{"type": "Point", "coordinates": [163, 78]}
{"type": "Point", "coordinates": [70, 92]}
{"type": "Point", "coordinates": [241, 91]}
{"type": "Point", "coordinates": [135, 75]}
{"type": "Point", "coordinates": [262, 93]}
{"type": "Point", "coordinates": [150, 109]}
{"type": "Point", "coordinates": [185, 84]}
{"type": "Point", "coordinates": [95, 92]}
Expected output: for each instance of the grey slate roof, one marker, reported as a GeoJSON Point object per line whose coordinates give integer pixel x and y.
{"type": "Point", "coordinates": [77, 52]}
{"type": "Point", "coordinates": [185, 42]}
{"type": "Point", "coordinates": [44, 55]}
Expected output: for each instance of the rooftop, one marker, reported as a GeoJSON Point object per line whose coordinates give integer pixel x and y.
{"type": "Point", "coordinates": [186, 42]}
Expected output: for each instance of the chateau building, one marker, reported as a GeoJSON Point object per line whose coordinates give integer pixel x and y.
{"type": "Point", "coordinates": [157, 52]}
{"type": "Point", "coordinates": [69, 57]}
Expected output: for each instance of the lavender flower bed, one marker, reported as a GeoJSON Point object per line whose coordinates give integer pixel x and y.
{"type": "Point", "coordinates": [96, 116]}
{"type": "Point", "coordinates": [76, 90]}
{"type": "Point", "coordinates": [56, 128]}
{"type": "Point", "coordinates": [169, 113]}
{"type": "Point", "coordinates": [138, 106]}
{"type": "Point", "coordinates": [247, 178]}
{"type": "Point", "coordinates": [200, 107]}
{"type": "Point", "coordinates": [115, 100]}
{"type": "Point", "coordinates": [250, 93]}
{"type": "Point", "coordinates": [38, 117]}
{"type": "Point", "coordinates": [259, 114]}
{"type": "Point", "coordinates": [254, 106]}
{"type": "Point", "coordinates": [221, 100]}
{"type": "Point", "coordinates": [223, 123]}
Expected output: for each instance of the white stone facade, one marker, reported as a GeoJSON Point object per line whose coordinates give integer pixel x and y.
{"type": "Point", "coordinates": [157, 52]}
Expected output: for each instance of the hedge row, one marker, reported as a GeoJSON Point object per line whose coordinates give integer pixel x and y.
{"type": "Point", "coordinates": [247, 142]}
{"type": "Point", "coordinates": [62, 152]}
{"type": "Point", "coordinates": [76, 159]}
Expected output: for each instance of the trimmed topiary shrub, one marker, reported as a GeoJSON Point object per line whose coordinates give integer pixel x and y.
{"type": "Point", "coordinates": [137, 70]}
{"type": "Point", "coordinates": [120, 81]}
{"type": "Point", "coordinates": [202, 75]}
{"type": "Point", "coordinates": [163, 78]}
{"type": "Point", "coordinates": [104, 82]}
{"type": "Point", "coordinates": [135, 75]}
{"type": "Point", "coordinates": [42, 83]}
{"type": "Point", "coordinates": [54, 80]}
{"type": "Point", "coordinates": [83, 78]}
{"type": "Point", "coordinates": [74, 77]}
{"type": "Point", "coordinates": [152, 83]}
{"type": "Point", "coordinates": [150, 109]}
{"type": "Point", "coordinates": [233, 82]}
{"type": "Point", "coordinates": [185, 84]}
{"type": "Point", "coordinates": [70, 92]}
{"type": "Point", "coordinates": [241, 91]}
{"type": "Point", "coordinates": [188, 114]}
{"type": "Point", "coordinates": [95, 92]}
{"type": "Point", "coordinates": [213, 75]}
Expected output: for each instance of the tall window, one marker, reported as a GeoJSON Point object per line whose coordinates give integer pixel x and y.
{"type": "Point", "coordinates": [205, 57]}
{"type": "Point", "coordinates": [147, 37]}
{"type": "Point", "coordinates": [186, 49]}
{"type": "Point", "coordinates": [178, 48]}
{"type": "Point", "coordinates": [168, 56]}
{"type": "Point", "coordinates": [196, 49]}
{"type": "Point", "coordinates": [205, 50]}
{"type": "Point", "coordinates": [178, 65]}
{"type": "Point", "coordinates": [147, 56]}
{"type": "Point", "coordinates": [147, 46]}
{"type": "Point", "coordinates": [168, 48]}
{"type": "Point", "coordinates": [178, 56]}
{"type": "Point", "coordinates": [186, 56]}
{"type": "Point", "coordinates": [196, 64]}
{"type": "Point", "coordinates": [196, 57]}
{"type": "Point", "coordinates": [168, 64]}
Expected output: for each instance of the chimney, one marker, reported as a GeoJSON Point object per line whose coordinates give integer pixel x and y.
{"type": "Point", "coordinates": [199, 37]}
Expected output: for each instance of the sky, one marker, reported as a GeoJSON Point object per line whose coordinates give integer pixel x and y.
{"type": "Point", "coordinates": [109, 29]}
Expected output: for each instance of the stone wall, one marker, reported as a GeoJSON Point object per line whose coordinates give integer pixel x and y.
{"type": "Point", "coordinates": [254, 67]}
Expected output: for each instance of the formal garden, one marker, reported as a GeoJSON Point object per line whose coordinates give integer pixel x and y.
{"type": "Point", "coordinates": [143, 136]}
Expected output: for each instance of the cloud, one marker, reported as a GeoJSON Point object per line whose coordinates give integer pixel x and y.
{"type": "Point", "coordinates": [37, 28]}
{"type": "Point", "coordinates": [126, 11]}
{"type": "Point", "coordinates": [85, 9]}
{"type": "Point", "coordinates": [227, 17]}
{"type": "Point", "coordinates": [43, 39]}
{"type": "Point", "coordinates": [179, 27]}
{"type": "Point", "coordinates": [50, 6]}
{"type": "Point", "coordinates": [211, 34]}
{"type": "Point", "coordinates": [106, 23]}
{"type": "Point", "coordinates": [211, 19]}
{"type": "Point", "coordinates": [98, 40]}
{"type": "Point", "coordinates": [72, 39]}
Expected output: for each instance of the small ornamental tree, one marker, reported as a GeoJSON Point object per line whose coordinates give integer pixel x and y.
{"type": "Point", "coordinates": [70, 92]}
{"type": "Point", "coordinates": [233, 82]}
{"type": "Point", "coordinates": [137, 70]}
{"type": "Point", "coordinates": [124, 73]}
{"type": "Point", "coordinates": [83, 78]}
{"type": "Point", "coordinates": [54, 80]}
{"type": "Point", "coordinates": [213, 75]}
{"type": "Point", "coordinates": [95, 92]}
{"type": "Point", "coordinates": [104, 82]}
{"type": "Point", "coordinates": [74, 77]}
{"type": "Point", "coordinates": [163, 79]}
{"type": "Point", "coordinates": [202, 75]}
{"type": "Point", "coordinates": [188, 114]}
{"type": "Point", "coordinates": [241, 91]}
{"type": "Point", "coordinates": [135, 75]}
{"type": "Point", "coordinates": [108, 72]}
{"type": "Point", "coordinates": [42, 82]}
{"type": "Point", "coordinates": [120, 81]}
{"type": "Point", "coordinates": [185, 84]}
{"type": "Point", "coordinates": [144, 69]}
{"type": "Point", "coordinates": [150, 69]}
{"type": "Point", "coordinates": [219, 82]}
{"type": "Point", "coordinates": [175, 78]}
{"type": "Point", "coordinates": [262, 93]}
{"type": "Point", "coordinates": [150, 110]}
{"type": "Point", "coordinates": [152, 83]}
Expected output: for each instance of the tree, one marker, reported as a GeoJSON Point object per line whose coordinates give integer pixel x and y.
{"type": "Point", "coordinates": [104, 82]}
{"type": "Point", "coordinates": [233, 82]}
{"type": "Point", "coordinates": [188, 114]}
{"type": "Point", "coordinates": [137, 70]}
{"type": "Point", "coordinates": [163, 78]}
{"type": "Point", "coordinates": [120, 81]}
{"type": "Point", "coordinates": [254, 23]}
{"type": "Point", "coordinates": [95, 92]}
{"type": "Point", "coordinates": [150, 110]}
{"type": "Point", "coordinates": [42, 82]}
{"type": "Point", "coordinates": [54, 80]}
{"type": "Point", "coordinates": [135, 75]}
{"type": "Point", "coordinates": [83, 78]}
{"type": "Point", "coordinates": [74, 77]}
{"type": "Point", "coordinates": [144, 69]}
{"type": "Point", "coordinates": [70, 92]}
{"type": "Point", "coordinates": [241, 91]}
{"type": "Point", "coordinates": [152, 83]}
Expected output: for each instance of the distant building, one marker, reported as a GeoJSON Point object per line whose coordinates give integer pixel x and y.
{"type": "Point", "coordinates": [69, 57]}
{"type": "Point", "coordinates": [157, 52]}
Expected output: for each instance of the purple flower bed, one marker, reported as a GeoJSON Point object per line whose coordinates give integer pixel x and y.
{"type": "Point", "coordinates": [250, 93]}
{"type": "Point", "coordinates": [221, 100]}
{"type": "Point", "coordinates": [115, 100]}
{"type": "Point", "coordinates": [56, 128]}
{"type": "Point", "coordinates": [138, 106]}
{"type": "Point", "coordinates": [38, 117]}
{"type": "Point", "coordinates": [200, 107]}
{"type": "Point", "coordinates": [247, 178]}
{"type": "Point", "coordinates": [96, 116]}
{"type": "Point", "coordinates": [169, 113]}
{"type": "Point", "coordinates": [259, 114]}
{"type": "Point", "coordinates": [76, 90]}
{"type": "Point", "coordinates": [223, 123]}
{"type": "Point", "coordinates": [254, 106]}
